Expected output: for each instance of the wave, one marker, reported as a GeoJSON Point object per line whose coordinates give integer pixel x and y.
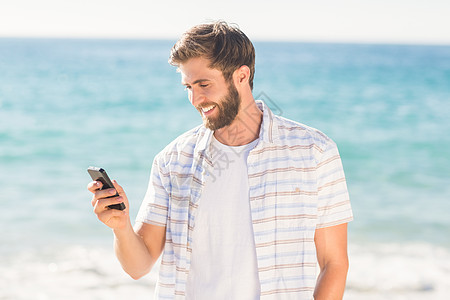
{"type": "Point", "coordinates": [398, 271]}
{"type": "Point", "coordinates": [377, 271]}
{"type": "Point", "coordinates": [78, 272]}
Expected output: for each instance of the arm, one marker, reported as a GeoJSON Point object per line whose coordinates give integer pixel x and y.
{"type": "Point", "coordinates": [137, 249]}
{"type": "Point", "coordinates": [331, 247]}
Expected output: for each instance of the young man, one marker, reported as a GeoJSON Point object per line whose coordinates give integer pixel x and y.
{"type": "Point", "coordinates": [243, 206]}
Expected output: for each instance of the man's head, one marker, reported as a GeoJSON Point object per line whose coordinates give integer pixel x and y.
{"type": "Point", "coordinates": [217, 100]}
{"type": "Point", "coordinates": [226, 47]}
{"type": "Point", "coordinates": [217, 63]}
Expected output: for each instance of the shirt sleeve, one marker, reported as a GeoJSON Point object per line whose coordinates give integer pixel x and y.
{"type": "Point", "coordinates": [333, 199]}
{"type": "Point", "coordinates": [154, 207]}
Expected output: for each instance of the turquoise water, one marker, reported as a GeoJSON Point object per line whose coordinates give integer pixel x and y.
{"type": "Point", "coordinates": [69, 104]}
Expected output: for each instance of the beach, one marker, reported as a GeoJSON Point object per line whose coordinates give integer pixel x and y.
{"type": "Point", "coordinates": [387, 272]}
{"type": "Point", "coordinates": [67, 104]}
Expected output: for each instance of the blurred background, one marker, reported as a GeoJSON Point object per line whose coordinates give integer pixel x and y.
{"type": "Point", "coordinates": [87, 83]}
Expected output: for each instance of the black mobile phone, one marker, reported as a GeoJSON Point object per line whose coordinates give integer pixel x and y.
{"type": "Point", "coordinates": [99, 174]}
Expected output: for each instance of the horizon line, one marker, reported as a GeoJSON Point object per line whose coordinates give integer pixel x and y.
{"type": "Point", "coordinates": [257, 39]}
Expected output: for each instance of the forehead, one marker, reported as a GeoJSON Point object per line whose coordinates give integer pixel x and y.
{"type": "Point", "coordinates": [198, 69]}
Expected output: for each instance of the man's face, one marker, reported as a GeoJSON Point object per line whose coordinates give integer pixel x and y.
{"type": "Point", "coordinates": [217, 100]}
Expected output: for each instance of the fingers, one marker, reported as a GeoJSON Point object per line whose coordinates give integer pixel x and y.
{"type": "Point", "coordinates": [101, 205]}
{"type": "Point", "coordinates": [93, 186]}
{"type": "Point", "coordinates": [101, 194]}
{"type": "Point", "coordinates": [112, 217]}
{"type": "Point", "coordinates": [102, 199]}
{"type": "Point", "coordinates": [118, 188]}
{"type": "Point", "coordinates": [105, 193]}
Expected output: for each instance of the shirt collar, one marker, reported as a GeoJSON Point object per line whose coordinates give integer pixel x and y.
{"type": "Point", "coordinates": [266, 131]}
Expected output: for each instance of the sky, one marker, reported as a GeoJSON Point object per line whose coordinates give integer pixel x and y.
{"type": "Point", "coordinates": [360, 21]}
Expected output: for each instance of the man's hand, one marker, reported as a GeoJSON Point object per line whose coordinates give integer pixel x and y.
{"type": "Point", "coordinates": [137, 252]}
{"type": "Point", "coordinates": [113, 218]}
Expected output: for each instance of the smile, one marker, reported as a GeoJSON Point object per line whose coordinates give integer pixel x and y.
{"type": "Point", "coordinates": [208, 108]}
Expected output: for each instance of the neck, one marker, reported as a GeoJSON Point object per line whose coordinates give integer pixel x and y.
{"type": "Point", "coordinates": [244, 129]}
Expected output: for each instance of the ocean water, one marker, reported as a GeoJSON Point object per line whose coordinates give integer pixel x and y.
{"type": "Point", "coordinates": [69, 104]}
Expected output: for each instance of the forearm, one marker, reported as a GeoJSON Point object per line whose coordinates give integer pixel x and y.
{"type": "Point", "coordinates": [331, 282]}
{"type": "Point", "coordinates": [132, 252]}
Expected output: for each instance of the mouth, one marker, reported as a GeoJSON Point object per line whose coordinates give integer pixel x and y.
{"type": "Point", "coordinates": [207, 109]}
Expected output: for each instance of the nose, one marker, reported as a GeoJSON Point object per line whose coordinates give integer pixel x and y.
{"type": "Point", "coordinates": [195, 96]}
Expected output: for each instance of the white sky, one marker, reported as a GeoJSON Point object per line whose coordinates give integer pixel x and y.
{"type": "Point", "coordinates": [385, 21]}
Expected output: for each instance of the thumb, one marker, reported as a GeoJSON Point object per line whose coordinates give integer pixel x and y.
{"type": "Point", "coordinates": [118, 188]}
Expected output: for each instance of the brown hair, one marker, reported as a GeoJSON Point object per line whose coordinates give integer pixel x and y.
{"type": "Point", "coordinates": [225, 46]}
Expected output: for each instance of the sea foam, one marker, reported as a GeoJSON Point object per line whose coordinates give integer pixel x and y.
{"type": "Point", "coordinates": [377, 271]}
{"type": "Point", "coordinates": [398, 271]}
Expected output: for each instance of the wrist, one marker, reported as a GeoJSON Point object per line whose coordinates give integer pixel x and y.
{"type": "Point", "coordinates": [124, 230]}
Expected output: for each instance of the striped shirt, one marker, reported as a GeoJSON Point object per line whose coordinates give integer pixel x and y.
{"type": "Point", "coordinates": [296, 185]}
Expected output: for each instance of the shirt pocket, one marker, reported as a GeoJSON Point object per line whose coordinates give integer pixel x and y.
{"type": "Point", "coordinates": [302, 209]}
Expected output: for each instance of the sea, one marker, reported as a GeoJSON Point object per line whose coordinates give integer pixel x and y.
{"type": "Point", "coordinates": [67, 104]}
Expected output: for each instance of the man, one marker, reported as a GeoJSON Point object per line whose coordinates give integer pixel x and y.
{"type": "Point", "coordinates": [245, 205]}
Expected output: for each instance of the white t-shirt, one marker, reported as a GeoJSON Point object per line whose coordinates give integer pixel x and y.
{"type": "Point", "coordinates": [223, 259]}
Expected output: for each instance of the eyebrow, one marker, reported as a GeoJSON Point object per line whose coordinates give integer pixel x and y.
{"type": "Point", "coordinates": [195, 82]}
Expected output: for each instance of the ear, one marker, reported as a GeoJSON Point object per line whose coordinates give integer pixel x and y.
{"type": "Point", "coordinates": [241, 76]}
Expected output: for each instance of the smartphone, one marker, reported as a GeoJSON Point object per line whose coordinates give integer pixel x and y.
{"type": "Point", "coordinates": [99, 174]}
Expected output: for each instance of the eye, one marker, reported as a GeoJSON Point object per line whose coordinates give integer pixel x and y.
{"type": "Point", "coordinates": [204, 85]}
{"type": "Point", "coordinates": [187, 87]}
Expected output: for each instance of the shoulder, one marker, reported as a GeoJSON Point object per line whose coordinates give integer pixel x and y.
{"type": "Point", "coordinates": [182, 146]}
{"type": "Point", "coordinates": [295, 133]}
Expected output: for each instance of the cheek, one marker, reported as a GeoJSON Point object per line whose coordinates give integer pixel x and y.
{"type": "Point", "coordinates": [215, 95]}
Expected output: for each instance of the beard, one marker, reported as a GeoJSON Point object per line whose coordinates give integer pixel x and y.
{"type": "Point", "coordinates": [227, 108]}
